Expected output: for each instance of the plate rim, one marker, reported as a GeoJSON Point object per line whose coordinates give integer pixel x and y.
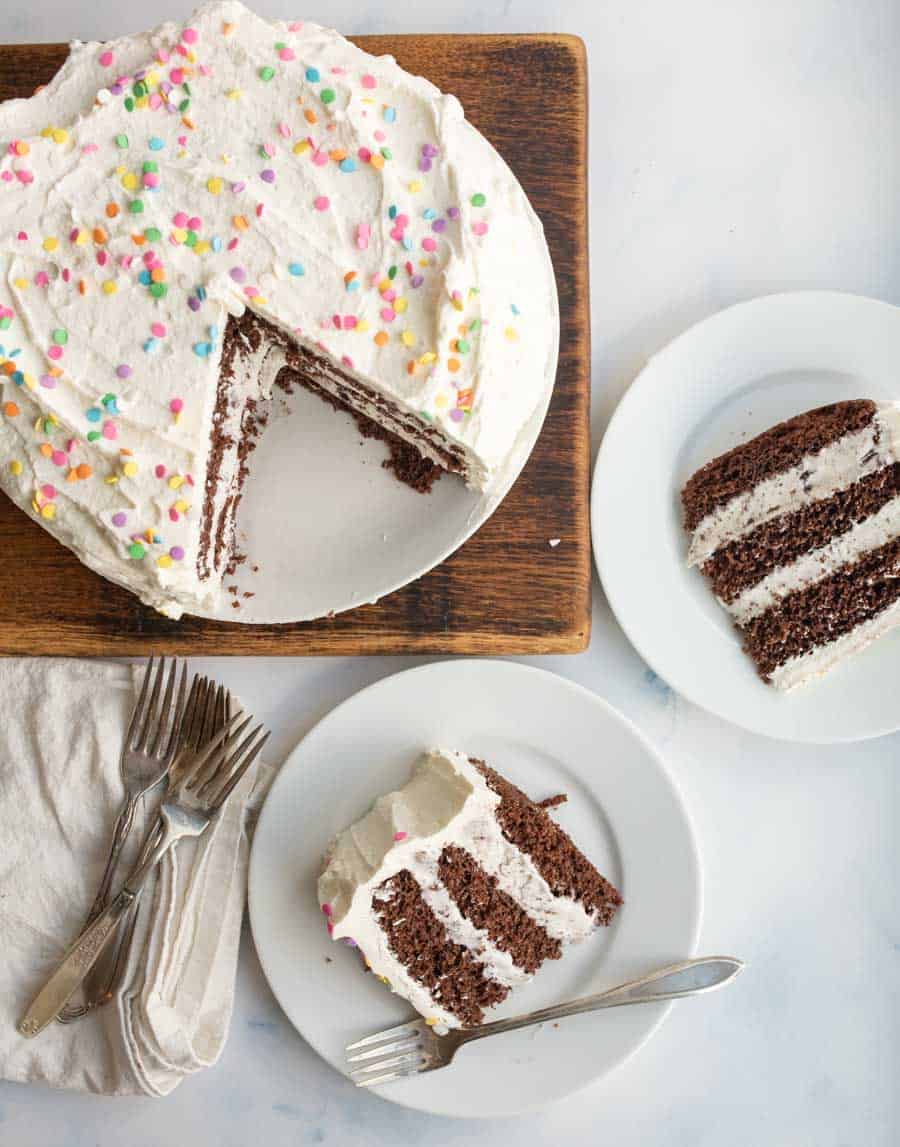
{"type": "Point", "coordinates": [644, 384]}
{"type": "Point", "coordinates": [665, 775]}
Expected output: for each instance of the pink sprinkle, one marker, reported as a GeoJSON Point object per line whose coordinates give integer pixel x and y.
{"type": "Point", "coordinates": [336, 322]}
{"type": "Point", "coordinates": [269, 148]}
{"type": "Point", "coordinates": [349, 322]}
{"type": "Point", "coordinates": [397, 233]}
{"type": "Point", "coordinates": [48, 381]}
{"type": "Point", "coordinates": [158, 329]}
{"type": "Point", "coordinates": [321, 203]}
{"type": "Point", "coordinates": [402, 221]}
{"type": "Point", "coordinates": [150, 179]}
{"type": "Point", "coordinates": [286, 54]}
{"type": "Point", "coordinates": [363, 234]}
{"type": "Point", "coordinates": [295, 26]}
{"type": "Point", "coordinates": [22, 236]}
{"type": "Point", "coordinates": [173, 514]}
{"type": "Point", "coordinates": [388, 314]}
{"type": "Point", "coordinates": [347, 361]}
{"type": "Point", "coordinates": [389, 295]}
{"type": "Point", "coordinates": [195, 223]}
{"type": "Point", "coordinates": [54, 352]}
{"type": "Point", "coordinates": [284, 130]}
{"type": "Point", "coordinates": [176, 405]}
{"type": "Point", "coordinates": [60, 458]}
{"type": "Point", "coordinates": [320, 158]}
{"type": "Point", "coordinates": [380, 136]}
{"type": "Point", "coordinates": [180, 219]}
{"type": "Point", "coordinates": [42, 279]}
{"type": "Point", "coordinates": [190, 35]}
{"type": "Point", "coordinates": [400, 836]}
{"type": "Point", "coordinates": [70, 445]}
{"type": "Point", "coordinates": [177, 75]}
{"type": "Point", "coordinates": [110, 430]}
{"type": "Point", "coordinates": [480, 228]}
{"type": "Point", "coordinates": [102, 258]}
{"type": "Point", "coordinates": [364, 154]}
{"type": "Point", "coordinates": [326, 908]}
{"type": "Point", "coordinates": [48, 491]}
{"type": "Point", "coordinates": [6, 176]}
{"type": "Point", "coordinates": [155, 100]}
{"type": "Point", "coordinates": [369, 81]}
{"type": "Point", "coordinates": [25, 176]}
{"type": "Point", "coordinates": [160, 471]}
{"type": "Point", "coordinates": [182, 141]}
{"type": "Point", "coordinates": [429, 244]}
{"type": "Point", "coordinates": [106, 59]}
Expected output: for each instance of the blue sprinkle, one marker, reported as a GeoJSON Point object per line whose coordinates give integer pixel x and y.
{"type": "Point", "coordinates": [312, 74]}
{"type": "Point", "coordinates": [353, 285]}
{"type": "Point", "coordinates": [429, 213]}
{"type": "Point", "coordinates": [144, 278]}
{"type": "Point", "coordinates": [155, 143]}
{"type": "Point", "coordinates": [216, 243]}
{"type": "Point", "coordinates": [201, 293]}
{"type": "Point", "coordinates": [390, 114]}
{"type": "Point", "coordinates": [515, 309]}
{"type": "Point", "coordinates": [348, 165]}
{"type": "Point", "coordinates": [15, 353]}
{"type": "Point", "coordinates": [296, 269]}
{"type": "Point", "coordinates": [392, 212]}
{"type": "Point", "coordinates": [151, 345]}
{"type": "Point", "coordinates": [202, 349]}
{"type": "Point", "coordinates": [407, 243]}
{"type": "Point", "coordinates": [18, 378]}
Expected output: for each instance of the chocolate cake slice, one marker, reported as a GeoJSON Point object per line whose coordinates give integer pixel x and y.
{"type": "Point", "coordinates": [458, 887]}
{"type": "Point", "coordinates": [798, 533]}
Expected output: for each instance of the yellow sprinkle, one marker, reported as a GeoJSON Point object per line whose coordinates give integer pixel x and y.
{"type": "Point", "coordinates": [415, 186]}
{"type": "Point", "coordinates": [151, 79]}
{"type": "Point", "coordinates": [164, 561]}
{"type": "Point", "coordinates": [214, 185]}
{"type": "Point", "coordinates": [50, 244]}
{"type": "Point", "coordinates": [48, 511]}
{"type": "Point", "coordinates": [408, 338]}
{"type": "Point", "coordinates": [21, 284]}
{"type": "Point", "coordinates": [179, 234]}
{"type": "Point", "coordinates": [176, 482]}
{"type": "Point", "coordinates": [428, 357]}
{"type": "Point", "coordinates": [81, 238]}
{"type": "Point", "coordinates": [441, 401]}
{"type": "Point", "coordinates": [202, 247]}
{"type": "Point", "coordinates": [20, 147]}
{"type": "Point", "coordinates": [363, 325]}
{"type": "Point", "coordinates": [457, 303]}
{"type": "Point", "coordinates": [182, 506]}
{"type": "Point", "coordinates": [46, 132]}
{"type": "Point", "coordinates": [110, 287]}
{"type": "Point", "coordinates": [233, 94]}
{"type": "Point", "coordinates": [432, 1021]}
{"type": "Point", "coordinates": [400, 305]}
{"type": "Point", "coordinates": [30, 382]}
{"type": "Point", "coordinates": [112, 480]}
{"type": "Point", "coordinates": [130, 469]}
{"type": "Point", "coordinates": [301, 147]}
{"type": "Point", "coordinates": [129, 181]}
{"type": "Point", "coordinates": [512, 334]}
{"type": "Point", "coordinates": [15, 467]}
{"type": "Point", "coordinates": [59, 135]}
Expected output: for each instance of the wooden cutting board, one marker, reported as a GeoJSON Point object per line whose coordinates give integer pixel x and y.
{"type": "Point", "coordinates": [506, 590]}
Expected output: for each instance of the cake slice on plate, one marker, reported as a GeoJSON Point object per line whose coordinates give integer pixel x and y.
{"type": "Point", "coordinates": [457, 888]}
{"type": "Point", "coordinates": [798, 533]}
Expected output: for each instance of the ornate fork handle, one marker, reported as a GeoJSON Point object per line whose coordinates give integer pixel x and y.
{"type": "Point", "coordinates": [689, 978]}
{"type": "Point", "coordinates": [121, 832]}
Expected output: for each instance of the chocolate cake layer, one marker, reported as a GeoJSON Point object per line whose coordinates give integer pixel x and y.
{"type": "Point", "coordinates": [566, 870]}
{"type": "Point", "coordinates": [477, 895]}
{"type": "Point", "coordinates": [825, 611]}
{"type": "Point", "coordinates": [420, 942]}
{"type": "Point", "coordinates": [770, 453]}
{"type": "Point", "coordinates": [743, 563]}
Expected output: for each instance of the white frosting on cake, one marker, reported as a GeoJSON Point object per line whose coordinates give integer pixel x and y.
{"type": "Point", "coordinates": [163, 181]}
{"type": "Point", "coordinates": [446, 802]}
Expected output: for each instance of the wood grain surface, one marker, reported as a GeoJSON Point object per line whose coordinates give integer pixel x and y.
{"type": "Point", "coordinates": [506, 591]}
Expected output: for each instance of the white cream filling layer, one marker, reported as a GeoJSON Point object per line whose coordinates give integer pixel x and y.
{"type": "Point", "coordinates": [815, 477]}
{"type": "Point", "coordinates": [817, 564]}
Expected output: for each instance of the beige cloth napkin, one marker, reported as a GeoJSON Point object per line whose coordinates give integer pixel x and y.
{"type": "Point", "coordinates": [61, 728]}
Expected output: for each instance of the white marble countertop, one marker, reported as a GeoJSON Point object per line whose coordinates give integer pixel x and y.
{"type": "Point", "coordinates": [737, 148]}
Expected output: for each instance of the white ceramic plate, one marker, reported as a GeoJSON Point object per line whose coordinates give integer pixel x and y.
{"type": "Point", "coordinates": [548, 736]}
{"type": "Point", "coordinates": [719, 384]}
{"type": "Point", "coordinates": [326, 528]}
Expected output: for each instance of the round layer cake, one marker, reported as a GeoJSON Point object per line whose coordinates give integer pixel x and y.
{"type": "Point", "coordinates": [185, 214]}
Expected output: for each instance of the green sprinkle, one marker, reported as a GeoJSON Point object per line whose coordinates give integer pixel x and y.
{"type": "Point", "coordinates": [137, 551]}
{"type": "Point", "coordinates": [150, 165]}
{"type": "Point", "coordinates": [392, 272]}
{"type": "Point", "coordinates": [136, 207]}
{"type": "Point", "coordinates": [190, 239]}
{"type": "Point", "coordinates": [158, 290]}
{"type": "Point", "coordinates": [60, 336]}
{"type": "Point", "coordinates": [266, 73]}
{"type": "Point", "coordinates": [387, 153]}
{"type": "Point", "coordinates": [326, 95]}
{"type": "Point", "coordinates": [152, 234]}
{"type": "Point", "coordinates": [93, 435]}
{"type": "Point", "coordinates": [478, 200]}
{"type": "Point", "coordinates": [129, 104]}
{"type": "Point", "coordinates": [184, 106]}
{"type": "Point", "coordinates": [122, 141]}
{"type": "Point", "coordinates": [462, 346]}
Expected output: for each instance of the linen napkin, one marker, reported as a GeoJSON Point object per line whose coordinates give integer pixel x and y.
{"type": "Point", "coordinates": [62, 724]}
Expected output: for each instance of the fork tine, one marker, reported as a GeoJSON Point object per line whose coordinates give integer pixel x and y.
{"type": "Point", "coordinates": [411, 1027]}
{"type": "Point", "coordinates": [388, 1078]}
{"type": "Point", "coordinates": [197, 765]}
{"type": "Point", "coordinates": [177, 717]}
{"type": "Point", "coordinates": [413, 1060]}
{"type": "Point", "coordinates": [220, 715]}
{"type": "Point", "coordinates": [213, 761]}
{"type": "Point", "coordinates": [209, 727]}
{"type": "Point", "coordinates": [149, 717]}
{"type": "Point", "coordinates": [136, 716]}
{"type": "Point", "coordinates": [407, 1044]}
{"type": "Point", "coordinates": [192, 735]}
{"type": "Point", "coordinates": [155, 745]}
{"type": "Point", "coordinates": [220, 797]}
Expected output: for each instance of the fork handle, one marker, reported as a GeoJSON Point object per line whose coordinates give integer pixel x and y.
{"type": "Point", "coordinates": [85, 952]}
{"type": "Point", "coordinates": [689, 978]}
{"type": "Point", "coordinates": [121, 832]}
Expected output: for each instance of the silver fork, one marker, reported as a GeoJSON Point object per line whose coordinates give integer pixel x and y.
{"type": "Point", "coordinates": [147, 753]}
{"type": "Point", "coordinates": [414, 1047]}
{"type": "Point", "coordinates": [203, 714]}
{"type": "Point", "coordinates": [203, 783]}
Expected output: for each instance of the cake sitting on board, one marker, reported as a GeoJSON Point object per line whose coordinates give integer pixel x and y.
{"type": "Point", "coordinates": [798, 533]}
{"type": "Point", "coordinates": [191, 213]}
{"type": "Point", "coordinates": [457, 887]}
